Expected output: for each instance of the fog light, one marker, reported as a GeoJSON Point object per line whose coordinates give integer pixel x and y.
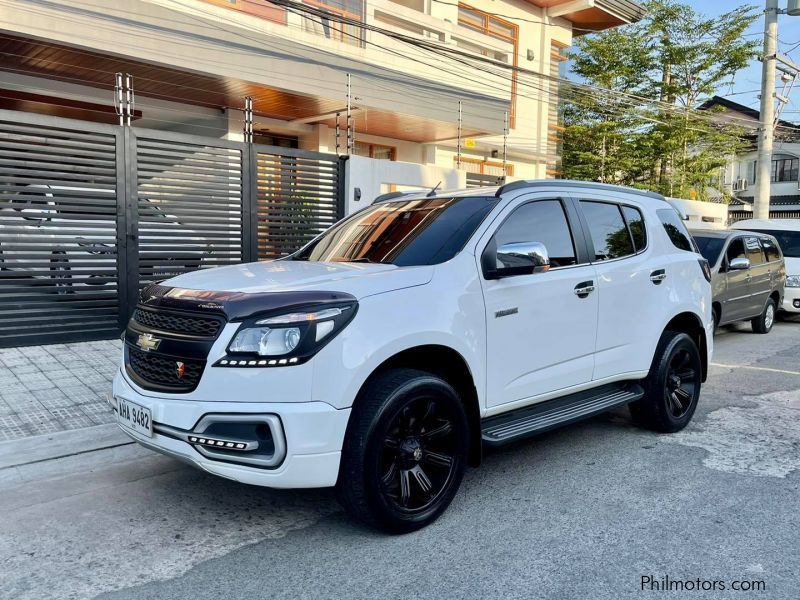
{"type": "Point", "coordinates": [232, 445]}
{"type": "Point", "coordinates": [796, 303]}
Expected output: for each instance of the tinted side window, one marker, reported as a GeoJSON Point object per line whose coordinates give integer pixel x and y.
{"type": "Point", "coordinates": [636, 225]}
{"type": "Point", "coordinates": [736, 250]}
{"type": "Point", "coordinates": [608, 230]}
{"type": "Point", "coordinates": [754, 252]}
{"type": "Point", "coordinates": [675, 229]}
{"type": "Point", "coordinates": [770, 249]}
{"type": "Point", "coordinates": [541, 221]}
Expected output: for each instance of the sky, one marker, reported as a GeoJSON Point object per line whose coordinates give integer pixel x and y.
{"type": "Point", "coordinates": [748, 81]}
{"type": "Point", "coordinates": [745, 88]}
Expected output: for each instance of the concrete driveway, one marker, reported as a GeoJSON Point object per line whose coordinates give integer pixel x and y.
{"type": "Point", "coordinates": [584, 512]}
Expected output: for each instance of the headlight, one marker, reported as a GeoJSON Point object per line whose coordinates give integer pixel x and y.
{"type": "Point", "coordinates": [286, 339]}
{"type": "Point", "coordinates": [793, 281]}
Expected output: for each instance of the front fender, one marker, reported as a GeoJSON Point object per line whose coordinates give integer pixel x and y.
{"type": "Point", "coordinates": [387, 324]}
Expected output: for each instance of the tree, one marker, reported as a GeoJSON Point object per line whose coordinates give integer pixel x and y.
{"type": "Point", "coordinates": [670, 61]}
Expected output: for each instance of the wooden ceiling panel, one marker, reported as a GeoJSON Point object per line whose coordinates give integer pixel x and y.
{"type": "Point", "coordinates": [73, 65]}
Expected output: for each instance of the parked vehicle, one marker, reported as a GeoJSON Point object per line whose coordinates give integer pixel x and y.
{"type": "Point", "coordinates": [383, 356]}
{"type": "Point", "coordinates": [49, 237]}
{"type": "Point", "coordinates": [747, 276]}
{"type": "Point", "coordinates": [787, 232]}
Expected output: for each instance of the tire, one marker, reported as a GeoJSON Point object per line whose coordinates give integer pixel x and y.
{"type": "Point", "coordinates": [715, 319]}
{"type": "Point", "coordinates": [672, 388]}
{"type": "Point", "coordinates": [408, 432]}
{"type": "Point", "coordinates": [764, 322]}
{"type": "Point", "coordinates": [60, 270]}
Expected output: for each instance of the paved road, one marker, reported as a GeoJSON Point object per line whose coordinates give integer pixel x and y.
{"type": "Point", "coordinates": [580, 513]}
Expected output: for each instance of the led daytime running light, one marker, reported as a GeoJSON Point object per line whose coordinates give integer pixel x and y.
{"type": "Point", "coordinates": [302, 317]}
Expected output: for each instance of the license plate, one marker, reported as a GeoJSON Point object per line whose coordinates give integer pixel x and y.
{"type": "Point", "coordinates": [135, 417]}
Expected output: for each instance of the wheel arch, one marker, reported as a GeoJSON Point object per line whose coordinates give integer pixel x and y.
{"type": "Point", "coordinates": [692, 325]}
{"type": "Point", "coordinates": [450, 365]}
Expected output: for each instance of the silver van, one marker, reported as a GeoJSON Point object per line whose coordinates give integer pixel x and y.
{"type": "Point", "coordinates": [747, 276]}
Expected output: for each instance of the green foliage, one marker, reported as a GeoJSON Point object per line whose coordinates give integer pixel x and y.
{"type": "Point", "coordinates": [671, 61]}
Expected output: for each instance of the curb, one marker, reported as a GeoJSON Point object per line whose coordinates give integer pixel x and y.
{"type": "Point", "coordinates": [52, 446]}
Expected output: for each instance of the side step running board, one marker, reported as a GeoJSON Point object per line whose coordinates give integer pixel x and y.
{"type": "Point", "coordinates": [548, 415]}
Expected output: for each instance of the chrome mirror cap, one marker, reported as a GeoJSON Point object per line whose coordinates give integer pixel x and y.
{"type": "Point", "coordinates": [521, 258]}
{"type": "Point", "coordinates": [739, 264]}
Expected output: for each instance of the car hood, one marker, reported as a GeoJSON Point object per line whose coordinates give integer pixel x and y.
{"type": "Point", "coordinates": [357, 279]}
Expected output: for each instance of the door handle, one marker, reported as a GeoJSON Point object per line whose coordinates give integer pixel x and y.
{"type": "Point", "coordinates": [658, 276]}
{"type": "Point", "coordinates": [584, 288]}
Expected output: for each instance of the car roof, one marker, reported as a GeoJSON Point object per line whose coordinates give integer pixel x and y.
{"type": "Point", "coordinates": [713, 233]}
{"type": "Point", "coordinates": [726, 233]}
{"type": "Point", "coordinates": [775, 224]}
{"type": "Point", "coordinates": [532, 184]}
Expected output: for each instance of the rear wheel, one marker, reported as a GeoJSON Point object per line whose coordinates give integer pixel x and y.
{"type": "Point", "coordinates": [764, 322]}
{"type": "Point", "coordinates": [672, 388]}
{"type": "Point", "coordinates": [405, 451]}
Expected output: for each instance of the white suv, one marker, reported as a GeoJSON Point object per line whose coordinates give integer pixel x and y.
{"type": "Point", "coordinates": [384, 355]}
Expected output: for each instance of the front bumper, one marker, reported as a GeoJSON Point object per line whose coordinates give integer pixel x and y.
{"type": "Point", "coordinates": [791, 300]}
{"type": "Point", "coordinates": [313, 433]}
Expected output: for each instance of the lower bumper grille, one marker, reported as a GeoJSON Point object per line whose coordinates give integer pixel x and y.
{"type": "Point", "coordinates": [158, 371]}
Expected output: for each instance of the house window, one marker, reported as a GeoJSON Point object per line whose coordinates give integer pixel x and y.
{"type": "Point", "coordinates": [263, 10]}
{"type": "Point", "coordinates": [272, 139]}
{"type": "Point", "coordinates": [784, 169]}
{"type": "Point", "coordinates": [500, 29]}
{"type": "Point", "coordinates": [375, 151]}
{"type": "Point", "coordinates": [332, 28]}
{"type": "Point", "coordinates": [484, 167]}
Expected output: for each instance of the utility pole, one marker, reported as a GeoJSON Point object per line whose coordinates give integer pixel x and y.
{"type": "Point", "coordinates": [766, 131]}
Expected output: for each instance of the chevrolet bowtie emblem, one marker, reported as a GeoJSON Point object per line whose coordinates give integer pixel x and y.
{"type": "Point", "coordinates": [147, 342]}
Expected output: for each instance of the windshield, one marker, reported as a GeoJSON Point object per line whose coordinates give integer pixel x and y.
{"type": "Point", "coordinates": [710, 247]}
{"type": "Point", "coordinates": [789, 241]}
{"type": "Point", "coordinates": [424, 231]}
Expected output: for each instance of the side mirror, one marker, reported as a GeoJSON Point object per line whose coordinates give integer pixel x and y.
{"type": "Point", "coordinates": [519, 258]}
{"type": "Point", "coordinates": [739, 264]}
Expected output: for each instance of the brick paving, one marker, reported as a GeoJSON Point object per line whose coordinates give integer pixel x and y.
{"type": "Point", "coordinates": [44, 389]}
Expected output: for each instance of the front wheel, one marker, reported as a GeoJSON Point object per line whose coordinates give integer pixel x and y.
{"type": "Point", "coordinates": [672, 388]}
{"type": "Point", "coordinates": [405, 451]}
{"type": "Point", "coordinates": [764, 322]}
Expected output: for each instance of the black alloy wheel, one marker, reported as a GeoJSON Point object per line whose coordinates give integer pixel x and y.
{"type": "Point", "coordinates": [672, 387]}
{"type": "Point", "coordinates": [404, 452]}
{"type": "Point", "coordinates": [680, 383]}
{"type": "Point", "coordinates": [418, 456]}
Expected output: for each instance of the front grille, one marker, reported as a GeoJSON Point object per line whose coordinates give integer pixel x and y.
{"type": "Point", "coordinates": [156, 371]}
{"type": "Point", "coordinates": [178, 323]}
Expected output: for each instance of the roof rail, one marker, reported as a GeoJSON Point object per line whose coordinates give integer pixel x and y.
{"type": "Point", "coordinates": [534, 183]}
{"type": "Point", "coordinates": [392, 195]}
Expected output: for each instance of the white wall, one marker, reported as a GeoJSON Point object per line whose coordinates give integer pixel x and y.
{"type": "Point", "coordinates": [369, 175]}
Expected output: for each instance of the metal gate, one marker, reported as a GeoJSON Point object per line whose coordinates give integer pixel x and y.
{"type": "Point", "coordinates": [91, 213]}
{"type": "Point", "coordinates": [298, 196]}
{"type": "Point", "coordinates": [59, 277]}
{"type": "Point", "coordinates": [483, 180]}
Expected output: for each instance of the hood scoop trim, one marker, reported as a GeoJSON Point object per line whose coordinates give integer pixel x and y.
{"type": "Point", "coordinates": [235, 306]}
